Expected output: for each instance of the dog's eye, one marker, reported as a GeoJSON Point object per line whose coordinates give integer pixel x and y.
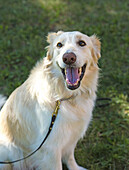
{"type": "Point", "coordinates": [81, 43]}
{"type": "Point", "coordinates": [59, 45]}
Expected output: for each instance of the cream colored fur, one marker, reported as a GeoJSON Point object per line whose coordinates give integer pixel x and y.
{"type": "Point", "coordinates": [26, 115]}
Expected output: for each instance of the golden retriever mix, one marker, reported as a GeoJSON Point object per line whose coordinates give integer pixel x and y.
{"type": "Point", "coordinates": [68, 74]}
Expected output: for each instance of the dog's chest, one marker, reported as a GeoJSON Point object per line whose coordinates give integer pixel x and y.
{"type": "Point", "coordinates": [69, 126]}
{"type": "Point", "coordinates": [71, 123]}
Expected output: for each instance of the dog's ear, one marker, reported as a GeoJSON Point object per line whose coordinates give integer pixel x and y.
{"type": "Point", "coordinates": [50, 39]}
{"type": "Point", "coordinates": [96, 48]}
{"type": "Point", "coordinates": [52, 36]}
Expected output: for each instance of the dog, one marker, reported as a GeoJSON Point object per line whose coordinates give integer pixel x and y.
{"type": "Point", "coordinates": [69, 74]}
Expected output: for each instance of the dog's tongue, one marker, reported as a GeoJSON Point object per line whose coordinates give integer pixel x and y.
{"type": "Point", "coordinates": [72, 75]}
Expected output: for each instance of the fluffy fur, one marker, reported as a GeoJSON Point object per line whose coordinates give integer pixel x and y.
{"type": "Point", "coordinates": [26, 115]}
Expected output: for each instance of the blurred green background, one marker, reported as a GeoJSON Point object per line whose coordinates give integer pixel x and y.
{"type": "Point", "coordinates": [24, 25]}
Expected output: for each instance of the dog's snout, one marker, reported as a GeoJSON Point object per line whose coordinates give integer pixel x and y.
{"type": "Point", "coordinates": [69, 58]}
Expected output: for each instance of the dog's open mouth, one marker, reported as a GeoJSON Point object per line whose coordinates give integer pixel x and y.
{"type": "Point", "coordinates": [73, 76]}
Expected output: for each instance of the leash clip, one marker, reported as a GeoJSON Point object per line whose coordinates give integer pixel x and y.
{"type": "Point", "coordinates": [56, 109]}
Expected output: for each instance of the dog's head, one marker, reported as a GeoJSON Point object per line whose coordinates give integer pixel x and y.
{"type": "Point", "coordinates": [73, 53]}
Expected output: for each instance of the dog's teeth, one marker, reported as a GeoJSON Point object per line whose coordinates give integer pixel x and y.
{"type": "Point", "coordinates": [76, 82]}
{"type": "Point", "coordinates": [72, 84]}
{"type": "Point", "coordinates": [80, 70]}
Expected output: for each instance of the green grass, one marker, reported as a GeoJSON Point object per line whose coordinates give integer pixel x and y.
{"type": "Point", "coordinates": [23, 29]}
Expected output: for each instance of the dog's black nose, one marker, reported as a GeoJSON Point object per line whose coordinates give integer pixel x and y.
{"type": "Point", "coordinates": [69, 58]}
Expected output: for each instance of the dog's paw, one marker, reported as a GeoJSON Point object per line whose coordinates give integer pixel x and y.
{"type": "Point", "coordinates": [81, 168]}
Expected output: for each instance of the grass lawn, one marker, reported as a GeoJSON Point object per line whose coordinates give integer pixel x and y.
{"type": "Point", "coordinates": [24, 26]}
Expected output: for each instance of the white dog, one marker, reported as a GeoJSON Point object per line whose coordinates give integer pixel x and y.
{"type": "Point", "coordinates": [68, 74]}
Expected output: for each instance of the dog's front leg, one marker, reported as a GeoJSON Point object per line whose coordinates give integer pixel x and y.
{"type": "Point", "coordinates": [50, 166]}
{"type": "Point", "coordinates": [50, 160]}
{"type": "Point", "coordinates": [70, 161]}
